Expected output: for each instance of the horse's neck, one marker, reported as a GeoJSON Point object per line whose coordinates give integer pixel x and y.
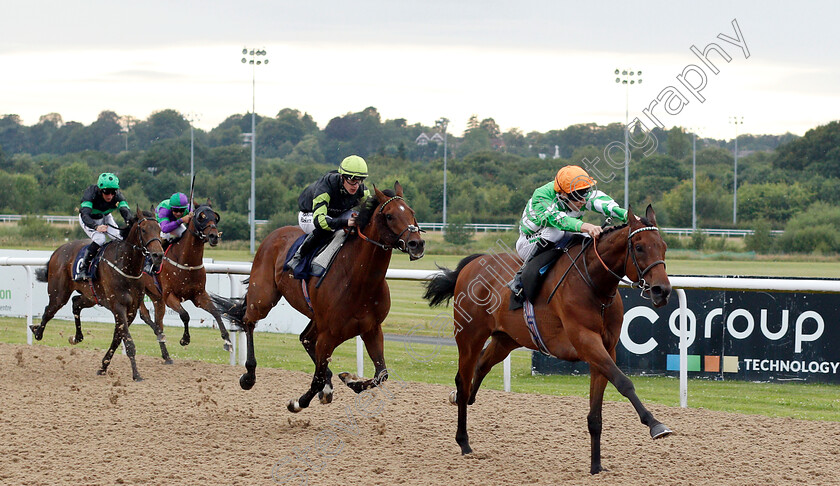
{"type": "Point", "coordinates": [613, 252]}
{"type": "Point", "coordinates": [127, 253]}
{"type": "Point", "coordinates": [189, 250]}
{"type": "Point", "coordinates": [369, 262]}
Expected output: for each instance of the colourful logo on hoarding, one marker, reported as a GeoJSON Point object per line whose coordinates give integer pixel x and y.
{"type": "Point", "coordinates": [711, 364]}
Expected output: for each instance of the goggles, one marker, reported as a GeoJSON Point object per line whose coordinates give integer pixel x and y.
{"type": "Point", "coordinates": [109, 192]}
{"type": "Point", "coordinates": [354, 179]}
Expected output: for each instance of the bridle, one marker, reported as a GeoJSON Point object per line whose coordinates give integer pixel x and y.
{"type": "Point", "coordinates": [631, 252]}
{"type": "Point", "coordinates": [401, 244]}
{"type": "Point", "coordinates": [198, 232]}
{"type": "Point", "coordinates": [144, 249]}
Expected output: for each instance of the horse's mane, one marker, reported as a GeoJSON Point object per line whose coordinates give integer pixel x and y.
{"type": "Point", "coordinates": [610, 229]}
{"type": "Point", "coordinates": [369, 209]}
{"type": "Point", "coordinates": [131, 222]}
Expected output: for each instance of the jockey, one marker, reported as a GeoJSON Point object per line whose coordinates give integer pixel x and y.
{"type": "Point", "coordinates": [173, 214]}
{"type": "Point", "coordinates": [553, 214]}
{"type": "Point", "coordinates": [98, 201]}
{"type": "Point", "coordinates": [326, 205]}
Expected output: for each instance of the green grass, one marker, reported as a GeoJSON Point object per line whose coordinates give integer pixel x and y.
{"type": "Point", "coordinates": [796, 400]}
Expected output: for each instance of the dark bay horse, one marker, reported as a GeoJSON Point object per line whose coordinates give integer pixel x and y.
{"type": "Point", "coordinates": [117, 286]}
{"type": "Point", "coordinates": [352, 300]}
{"type": "Point", "coordinates": [183, 277]}
{"type": "Point", "coordinates": [582, 321]}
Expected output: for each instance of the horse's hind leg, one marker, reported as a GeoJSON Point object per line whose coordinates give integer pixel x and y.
{"type": "Point", "coordinates": [308, 338]}
{"type": "Point", "coordinates": [174, 303]}
{"type": "Point", "coordinates": [203, 301]}
{"type": "Point", "coordinates": [499, 348]}
{"type": "Point", "coordinates": [597, 384]}
{"type": "Point", "coordinates": [79, 302]}
{"type": "Point", "coordinates": [247, 380]}
{"type": "Point", "coordinates": [59, 295]}
{"type": "Point", "coordinates": [157, 329]}
{"type": "Point", "coordinates": [375, 345]}
{"type": "Point", "coordinates": [469, 348]}
{"type": "Point", "coordinates": [130, 350]}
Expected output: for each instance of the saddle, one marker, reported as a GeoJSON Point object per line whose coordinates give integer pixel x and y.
{"type": "Point", "coordinates": [536, 269]}
{"type": "Point", "coordinates": [317, 263]}
{"type": "Point", "coordinates": [94, 264]}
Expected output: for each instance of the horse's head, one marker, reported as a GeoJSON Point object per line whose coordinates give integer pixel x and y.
{"type": "Point", "coordinates": [396, 223]}
{"type": "Point", "coordinates": [144, 232]}
{"type": "Point", "coordinates": [203, 224]}
{"type": "Point", "coordinates": [646, 250]}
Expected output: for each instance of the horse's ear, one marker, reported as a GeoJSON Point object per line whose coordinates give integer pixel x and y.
{"type": "Point", "coordinates": [379, 195]}
{"type": "Point", "coordinates": [650, 215]}
{"type": "Point", "coordinates": [152, 208]}
{"type": "Point", "coordinates": [632, 219]}
{"type": "Point", "coordinates": [139, 212]}
{"type": "Point", "coordinates": [398, 189]}
{"type": "Point", "coordinates": [208, 202]}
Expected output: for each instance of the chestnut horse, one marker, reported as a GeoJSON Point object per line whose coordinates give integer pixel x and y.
{"type": "Point", "coordinates": [352, 300]}
{"type": "Point", "coordinates": [581, 322]}
{"type": "Point", "coordinates": [117, 286]}
{"type": "Point", "coordinates": [182, 277]}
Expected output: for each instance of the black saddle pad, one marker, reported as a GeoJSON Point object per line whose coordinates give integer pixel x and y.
{"type": "Point", "coordinates": [304, 269]}
{"type": "Point", "coordinates": [94, 265]}
{"type": "Point", "coordinates": [535, 271]}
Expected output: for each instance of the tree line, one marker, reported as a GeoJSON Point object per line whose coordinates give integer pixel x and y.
{"type": "Point", "coordinates": [491, 174]}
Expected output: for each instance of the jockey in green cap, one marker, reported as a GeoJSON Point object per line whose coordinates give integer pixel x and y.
{"type": "Point", "coordinates": [326, 205]}
{"type": "Point", "coordinates": [98, 201]}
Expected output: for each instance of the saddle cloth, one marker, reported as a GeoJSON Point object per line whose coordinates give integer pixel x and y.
{"type": "Point", "coordinates": [94, 264]}
{"type": "Point", "coordinates": [317, 263]}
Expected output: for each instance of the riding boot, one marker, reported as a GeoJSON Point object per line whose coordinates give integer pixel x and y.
{"type": "Point", "coordinates": [310, 243]}
{"type": "Point", "coordinates": [515, 285]}
{"type": "Point", "coordinates": [84, 271]}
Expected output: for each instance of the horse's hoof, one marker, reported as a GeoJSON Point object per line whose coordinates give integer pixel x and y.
{"type": "Point", "coordinates": [138, 378]}
{"type": "Point", "coordinates": [660, 430]}
{"type": "Point", "coordinates": [246, 381]}
{"type": "Point", "coordinates": [597, 469]}
{"type": "Point", "coordinates": [184, 342]}
{"type": "Point", "coordinates": [35, 333]}
{"type": "Point", "coordinates": [168, 362]}
{"type": "Point", "coordinates": [325, 396]}
{"type": "Point", "coordinates": [294, 406]}
{"type": "Point", "coordinates": [466, 449]}
{"type": "Point", "coordinates": [101, 372]}
{"type": "Point", "coordinates": [228, 346]}
{"type": "Point", "coordinates": [344, 377]}
{"type": "Point", "coordinates": [453, 397]}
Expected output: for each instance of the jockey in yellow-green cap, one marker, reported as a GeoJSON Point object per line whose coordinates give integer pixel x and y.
{"type": "Point", "coordinates": [326, 205]}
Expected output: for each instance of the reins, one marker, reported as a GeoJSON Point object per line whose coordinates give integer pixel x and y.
{"type": "Point", "coordinates": [144, 250]}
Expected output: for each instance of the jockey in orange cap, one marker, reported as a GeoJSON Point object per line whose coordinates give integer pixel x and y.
{"type": "Point", "coordinates": [553, 214]}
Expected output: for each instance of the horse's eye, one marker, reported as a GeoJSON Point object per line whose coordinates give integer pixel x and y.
{"type": "Point", "coordinates": [640, 248]}
{"type": "Point", "coordinates": [201, 217]}
{"type": "Point", "coordinates": [389, 217]}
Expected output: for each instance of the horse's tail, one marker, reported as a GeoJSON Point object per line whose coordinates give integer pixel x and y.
{"type": "Point", "coordinates": [442, 287]}
{"type": "Point", "coordinates": [42, 273]}
{"type": "Point", "coordinates": [232, 308]}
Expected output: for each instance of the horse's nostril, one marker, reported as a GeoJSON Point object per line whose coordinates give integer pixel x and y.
{"type": "Point", "coordinates": [412, 244]}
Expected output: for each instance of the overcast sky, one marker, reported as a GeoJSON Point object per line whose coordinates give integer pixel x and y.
{"type": "Point", "coordinates": [535, 65]}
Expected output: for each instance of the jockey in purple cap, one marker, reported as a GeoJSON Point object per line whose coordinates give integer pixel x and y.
{"type": "Point", "coordinates": [173, 214]}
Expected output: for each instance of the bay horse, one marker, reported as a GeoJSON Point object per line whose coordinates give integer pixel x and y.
{"type": "Point", "coordinates": [352, 300]}
{"type": "Point", "coordinates": [117, 286]}
{"type": "Point", "coordinates": [183, 277]}
{"type": "Point", "coordinates": [581, 322]}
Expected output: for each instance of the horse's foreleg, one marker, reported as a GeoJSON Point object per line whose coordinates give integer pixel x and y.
{"type": "Point", "coordinates": [157, 326]}
{"type": "Point", "coordinates": [115, 341]}
{"type": "Point", "coordinates": [375, 345]}
{"type": "Point", "coordinates": [79, 302]}
{"type": "Point", "coordinates": [499, 348]}
{"type": "Point", "coordinates": [174, 303]}
{"type": "Point", "coordinates": [591, 349]}
{"type": "Point", "coordinates": [323, 351]}
{"type": "Point", "coordinates": [597, 384]}
{"type": "Point", "coordinates": [308, 338]}
{"type": "Point", "coordinates": [203, 301]}
{"type": "Point", "coordinates": [130, 351]}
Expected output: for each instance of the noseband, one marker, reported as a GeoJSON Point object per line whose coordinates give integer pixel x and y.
{"type": "Point", "coordinates": [402, 244]}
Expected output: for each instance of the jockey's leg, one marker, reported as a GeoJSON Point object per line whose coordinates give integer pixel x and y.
{"type": "Point", "coordinates": [528, 247]}
{"type": "Point", "coordinates": [312, 241]}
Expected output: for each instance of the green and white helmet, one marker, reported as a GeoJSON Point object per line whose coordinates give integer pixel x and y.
{"type": "Point", "coordinates": [353, 166]}
{"type": "Point", "coordinates": [108, 180]}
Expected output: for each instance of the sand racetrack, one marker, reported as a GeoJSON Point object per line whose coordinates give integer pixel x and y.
{"type": "Point", "coordinates": [190, 423]}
